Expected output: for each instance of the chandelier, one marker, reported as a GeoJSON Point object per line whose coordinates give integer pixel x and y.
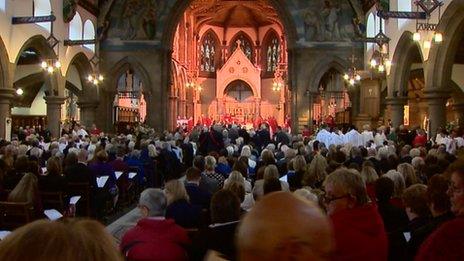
{"type": "Point", "coordinates": [192, 76]}
{"type": "Point", "coordinates": [352, 76]}
{"type": "Point", "coordinates": [423, 30]}
{"type": "Point", "coordinates": [50, 65]}
{"type": "Point", "coordinates": [279, 78]}
{"type": "Point", "coordinates": [95, 78]}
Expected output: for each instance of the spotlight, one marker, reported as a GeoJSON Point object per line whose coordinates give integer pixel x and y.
{"type": "Point", "coordinates": [19, 91]}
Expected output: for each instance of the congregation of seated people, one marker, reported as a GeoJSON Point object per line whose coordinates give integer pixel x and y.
{"type": "Point", "coordinates": [228, 193]}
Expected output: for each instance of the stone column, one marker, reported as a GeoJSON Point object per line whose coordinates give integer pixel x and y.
{"type": "Point", "coordinates": [396, 105]}
{"type": "Point", "coordinates": [458, 109]}
{"type": "Point", "coordinates": [6, 97]}
{"type": "Point", "coordinates": [437, 110]}
{"type": "Point", "coordinates": [54, 114]}
{"type": "Point", "coordinates": [88, 112]}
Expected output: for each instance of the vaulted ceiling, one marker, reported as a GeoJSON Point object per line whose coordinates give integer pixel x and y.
{"type": "Point", "coordinates": [233, 13]}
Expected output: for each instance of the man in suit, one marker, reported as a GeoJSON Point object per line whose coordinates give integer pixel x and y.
{"type": "Point", "coordinates": [197, 195]}
{"type": "Point", "coordinates": [77, 170]}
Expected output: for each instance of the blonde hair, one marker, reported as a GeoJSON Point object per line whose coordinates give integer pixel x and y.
{"type": "Point", "coordinates": [316, 172]}
{"type": "Point", "coordinates": [398, 182]}
{"type": "Point", "coordinates": [270, 172]}
{"type": "Point", "coordinates": [409, 174]}
{"type": "Point", "coordinates": [25, 191]}
{"type": "Point", "coordinates": [306, 195]}
{"type": "Point", "coordinates": [71, 240]}
{"type": "Point", "coordinates": [349, 182]}
{"type": "Point", "coordinates": [368, 174]}
{"type": "Point", "coordinates": [175, 190]}
{"type": "Point", "coordinates": [299, 163]}
{"type": "Point", "coordinates": [235, 176]}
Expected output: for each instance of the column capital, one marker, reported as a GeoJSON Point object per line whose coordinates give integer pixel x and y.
{"type": "Point", "coordinates": [54, 100]}
{"type": "Point", "coordinates": [7, 93]}
{"type": "Point", "coordinates": [396, 101]}
{"type": "Point", "coordinates": [436, 95]}
{"type": "Point", "coordinates": [88, 104]}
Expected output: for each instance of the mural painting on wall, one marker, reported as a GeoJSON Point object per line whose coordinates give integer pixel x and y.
{"type": "Point", "coordinates": [69, 10]}
{"type": "Point", "coordinates": [328, 21]}
{"type": "Point", "coordinates": [132, 20]}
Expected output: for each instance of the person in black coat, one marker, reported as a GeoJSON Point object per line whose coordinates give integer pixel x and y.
{"type": "Point", "coordinates": [197, 195]}
{"type": "Point", "coordinates": [225, 215]}
{"type": "Point", "coordinates": [179, 208]}
{"type": "Point", "coordinates": [394, 218]}
{"type": "Point", "coordinates": [76, 169]}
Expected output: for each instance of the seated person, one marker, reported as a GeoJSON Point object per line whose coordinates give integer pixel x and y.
{"type": "Point", "coordinates": [225, 215]}
{"type": "Point", "coordinates": [71, 240]}
{"type": "Point", "coordinates": [283, 227]}
{"type": "Point", "coordinates": [154, 237]}
{"type": "Point", "coordinates": [179, 207]}
{"type": "Point", "coordinates": [197, 195]}
{"type": "Point", "coordinates": [27, 191]}
{"type": "Point", "coordinates": [53, 180]}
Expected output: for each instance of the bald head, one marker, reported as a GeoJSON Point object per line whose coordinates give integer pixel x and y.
{"type": "Point", "coordinates": [283, 227]}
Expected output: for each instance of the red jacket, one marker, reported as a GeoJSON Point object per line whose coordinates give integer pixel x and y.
{"type": "Point", "coordinates": [359, 235]}
{"type": "Point", "coordinates": [157, 240]}
{"type": "Point", "coordinates": [446, 243]}
{"type": "Point", "coordinates": [419, 140]}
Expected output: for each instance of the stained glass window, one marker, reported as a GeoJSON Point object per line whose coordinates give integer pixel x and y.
{"type": "Point", "coordinates": [208, 54]}
{"type": "Point", "coordinates": [272, 55]}
{"type": "Point", "coordinates": [245, 45]}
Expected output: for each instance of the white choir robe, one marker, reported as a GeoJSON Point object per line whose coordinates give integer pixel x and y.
{"type": "Point", "coordinates": [379, 139]}
{"type": "Point", "coordinates": [336, 139]}
{"type": "Point", "coordinates": [325, 137]}
{"type": "Point", "coordinates": [366, 136]}
{"type": "Point", "coordinates": [460, 142]}
{"type": "Point", "coordinates": [352, 137]}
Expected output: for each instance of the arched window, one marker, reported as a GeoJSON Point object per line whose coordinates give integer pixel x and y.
{"type": "Point", "coordinates": [2, 5]}
{"type": "Point", "coordinates": [208, 53]}
{"type": "Point", "coordinates": [75, 28]}
{"type": "Point", "coordinates": [245, 44]}
{"type": "Point", "coordinates": [405, 6]}
{"type": "Point", "coordinates": [41, 8]}
{"type": "Point", "coordinates": [272, 54]}
{"type": "Point", "coordinates": [89, 34]}
{"type": "Point", "coordinates": [370, 30]}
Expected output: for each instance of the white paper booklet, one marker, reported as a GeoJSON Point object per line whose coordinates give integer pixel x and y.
{"type": "Point", "coordinates": [284, 178]}
{"type": "Point", "coordinates": [44, 170]}
{"type": "Point", "coordinates": [132, 174]}
{"type": "Point", "coordinates": [53, 214]}
{"type": "Point", "coordinates": [118, 174]}
{"type": "Point", "coordinates": [73, 200]}
{"type": "Point", "coordinates": [101, 181]}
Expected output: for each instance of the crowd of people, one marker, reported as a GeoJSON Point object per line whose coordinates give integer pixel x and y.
{"type": "Point", "coordinates": [236, 194]}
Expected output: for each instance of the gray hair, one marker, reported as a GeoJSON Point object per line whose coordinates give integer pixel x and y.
{"type": "Point", "coordinates": [154, 200]}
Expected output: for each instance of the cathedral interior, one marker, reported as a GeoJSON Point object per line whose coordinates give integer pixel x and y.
{"type": "Point", "coordinates": [294, 63]}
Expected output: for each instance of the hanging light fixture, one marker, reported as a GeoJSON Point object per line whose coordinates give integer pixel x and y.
{"type": "Point", "coordinates": [423, 28]}
{"type": "Point", "coordinates": [277, 86]}
{"type": "Point", "coordinates": [95, 78]}
{"type": "Point", "coordinates": [51, 65]}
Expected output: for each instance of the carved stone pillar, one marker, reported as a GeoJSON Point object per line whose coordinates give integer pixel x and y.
{"type": "Point", "coordinates": [6, 97]}
{"type": "Point", "coordinates": [88, 113]}
{"type": "Point", "coordinates": [54, 104]}
{"type": "Point", "coordinates": [436, 101]}
{"type": "Point", "coordinates": [396, 105]}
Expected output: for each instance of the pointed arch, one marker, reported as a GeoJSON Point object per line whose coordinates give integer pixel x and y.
{"type": "Point", "coordinates": [271, 52]}
{"type": "Point", "coordinates": [247, 45]}
{"type": "Point", "coordinates": [84, 68]}
{"type": "Point", "coordinates": [75, 27]}
{"type": "Point", "coordinates": [128, 63]}
{"type": "Point", "coordinates": [441, 56]}
{"type": "Point", "coordinates": [209, 53]}
{"type": "Point", "coordinates": [405, 55]}
{"type": "Point", "coordinates": [41, 8]}
{"type": "Point", "coordinates": [333, 62]}
{"type": "Point", "coordinates": [89, 34]}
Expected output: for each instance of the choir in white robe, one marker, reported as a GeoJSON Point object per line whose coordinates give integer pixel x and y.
{"type": "Point", "coordinates": [379, 139]}
{"type": "Point", "coordinates": [352, 137]}
{"type": "Point", "coordinates": [325, 137]}
{"type": "Point", "coordinates": [366, 137]}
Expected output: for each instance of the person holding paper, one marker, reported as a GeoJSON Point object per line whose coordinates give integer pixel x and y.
{"type": "Point", "coordinates": [54, 181]}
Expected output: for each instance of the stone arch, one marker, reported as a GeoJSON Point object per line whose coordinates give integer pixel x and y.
{"type": "Point", "coordinates": [4, 67]}
{"type": "Point", "coordinates": [125, 64]}
{"type": "Point", "coordinates": [333, 62]}
{"type": "Point", "coordinates": [84, 68]}
{"type": "Point", "coordinates": [221, 89]}
{"type": "Point", "coordinates": [402, 60]}
{"type": "Point", "coordinates": [441, 56]}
